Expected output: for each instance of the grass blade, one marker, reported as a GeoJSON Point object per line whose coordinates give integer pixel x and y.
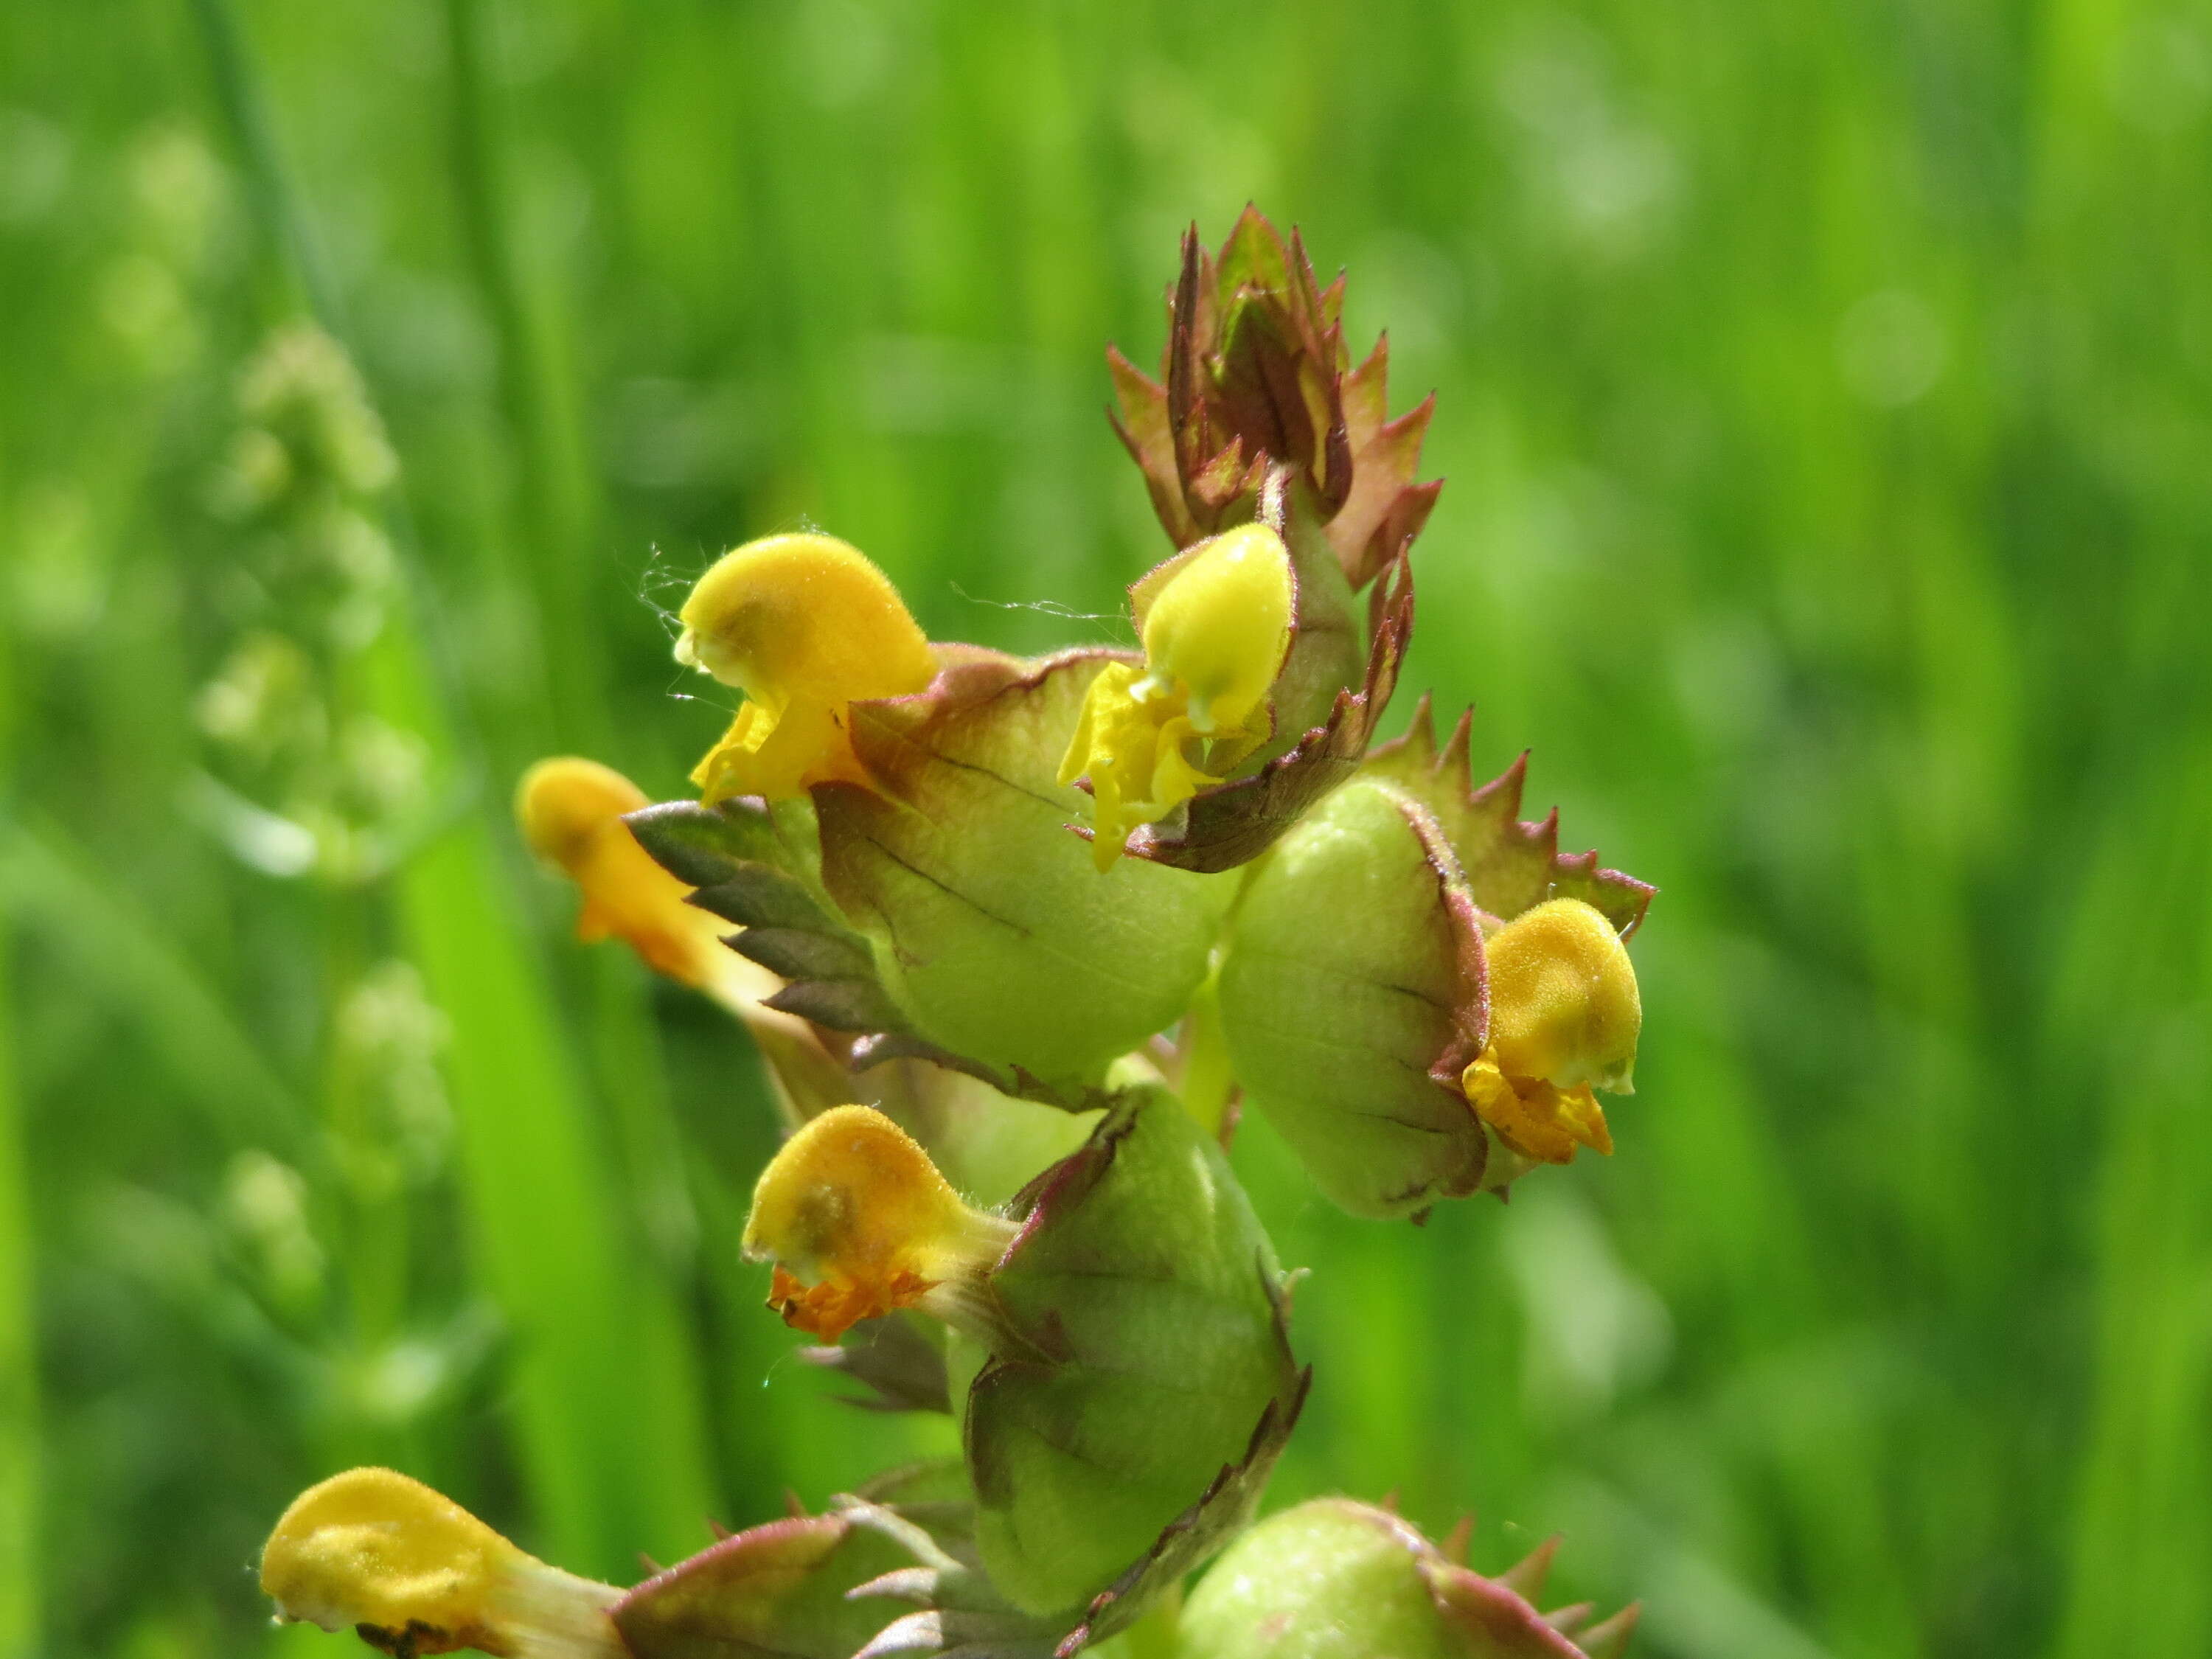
{"type": "Point", "coordinates": [18, 1373]}
{"type": "Point", "coordinates": [118, 953]}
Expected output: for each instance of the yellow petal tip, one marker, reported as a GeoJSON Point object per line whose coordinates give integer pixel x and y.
{"type": "Point", "coordinates": [570, 811]}
{"type": "Point", "coordinates": [374, 1547]}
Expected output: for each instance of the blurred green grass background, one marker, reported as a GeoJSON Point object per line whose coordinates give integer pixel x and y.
{"type": "Point", "coordinates": [1825, 393]}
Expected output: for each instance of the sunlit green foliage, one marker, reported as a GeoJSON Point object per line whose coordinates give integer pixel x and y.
{"type": "Point", "coordinates": [1826, 394]}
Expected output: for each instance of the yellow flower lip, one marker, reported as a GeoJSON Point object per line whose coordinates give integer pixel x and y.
{"type": "Point", "coordinates": [1215, 621]}
{"type": "Point", "coordinates": [570, 811]}
{"type": "Point", "coordinates": [1536, 1119]}
{"type": "Point", "coordinates": [859, 1223]}
{"type": "Point", "coordinates": [803, 624]}
{"type": "Point", "coordinates": [1565, 1017]}
{"type": "Point", "coordinates": [374, 1551]}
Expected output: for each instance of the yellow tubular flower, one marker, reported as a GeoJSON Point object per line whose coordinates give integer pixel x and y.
{"type": "Point", "coordinates": [1564, 1016]}
{"type": "Point", "coordinates": [1215, 633]}
{"type": "Point", "coordinates": [570, 811]}
{"type": "Point", "coordinates": [413, 1572]}
{"type": "Point", "coordinates": [803, 625]}
{"type": "Point", "coordinates": [859, 1223]}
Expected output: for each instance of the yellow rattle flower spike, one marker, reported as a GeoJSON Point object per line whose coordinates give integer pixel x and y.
{"type": "Point", "coordinates": [1216, 626]}
{"type": "Point", "coordinates": [1564, 1016]}
{"type": "Point", "coordinates": [412, 1572]}
{"type": "Point", "coordinates": [803, 625]}
{"type": "Point", "coordinates": [860, 1224]}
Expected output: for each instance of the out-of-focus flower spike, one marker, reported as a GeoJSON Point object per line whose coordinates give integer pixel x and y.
{"type": "Point", "coordinates": [804, 625]}
{"type": "Point", "coordinates": [413, 1573]}
{"type": "Point", "coordinates": [860, 1224]}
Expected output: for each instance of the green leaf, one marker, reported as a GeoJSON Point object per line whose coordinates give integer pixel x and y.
{"type": "Point", "coordinates": [757, 868]}
{"type": "Point", "coordinates": [108, 942]}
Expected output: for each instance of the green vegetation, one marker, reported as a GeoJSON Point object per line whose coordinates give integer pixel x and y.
{"type": "Point", "coordinates": [1826, 394]}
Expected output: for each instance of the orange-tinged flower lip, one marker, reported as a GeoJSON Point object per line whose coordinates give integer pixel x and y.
{"type": "Point", "coordinates": [836, 1304]}
{"type": "Point", "coordinates": [860, 1224]}
{"type": "Point", "coordinates": [1536, 1119]}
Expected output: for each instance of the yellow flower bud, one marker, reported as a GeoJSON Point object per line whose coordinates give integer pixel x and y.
{"type": "Point", "coordinates": [1564, 1016]}
{"type": "Point", "coordinates": [1215, 631]}
{"type": "Point", "coordinates": [1219, 626]}
{"type": "Point", "coordinates": [803, 625]}
{"type": "Point", "coordinates": [858, 1223]}
{"type": "Point", "coordinates": [1562, 999]}
{"type": "Point", "coordinates": [570, 811]}
{"type": "Point", "coordinates": [413, 1572]}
